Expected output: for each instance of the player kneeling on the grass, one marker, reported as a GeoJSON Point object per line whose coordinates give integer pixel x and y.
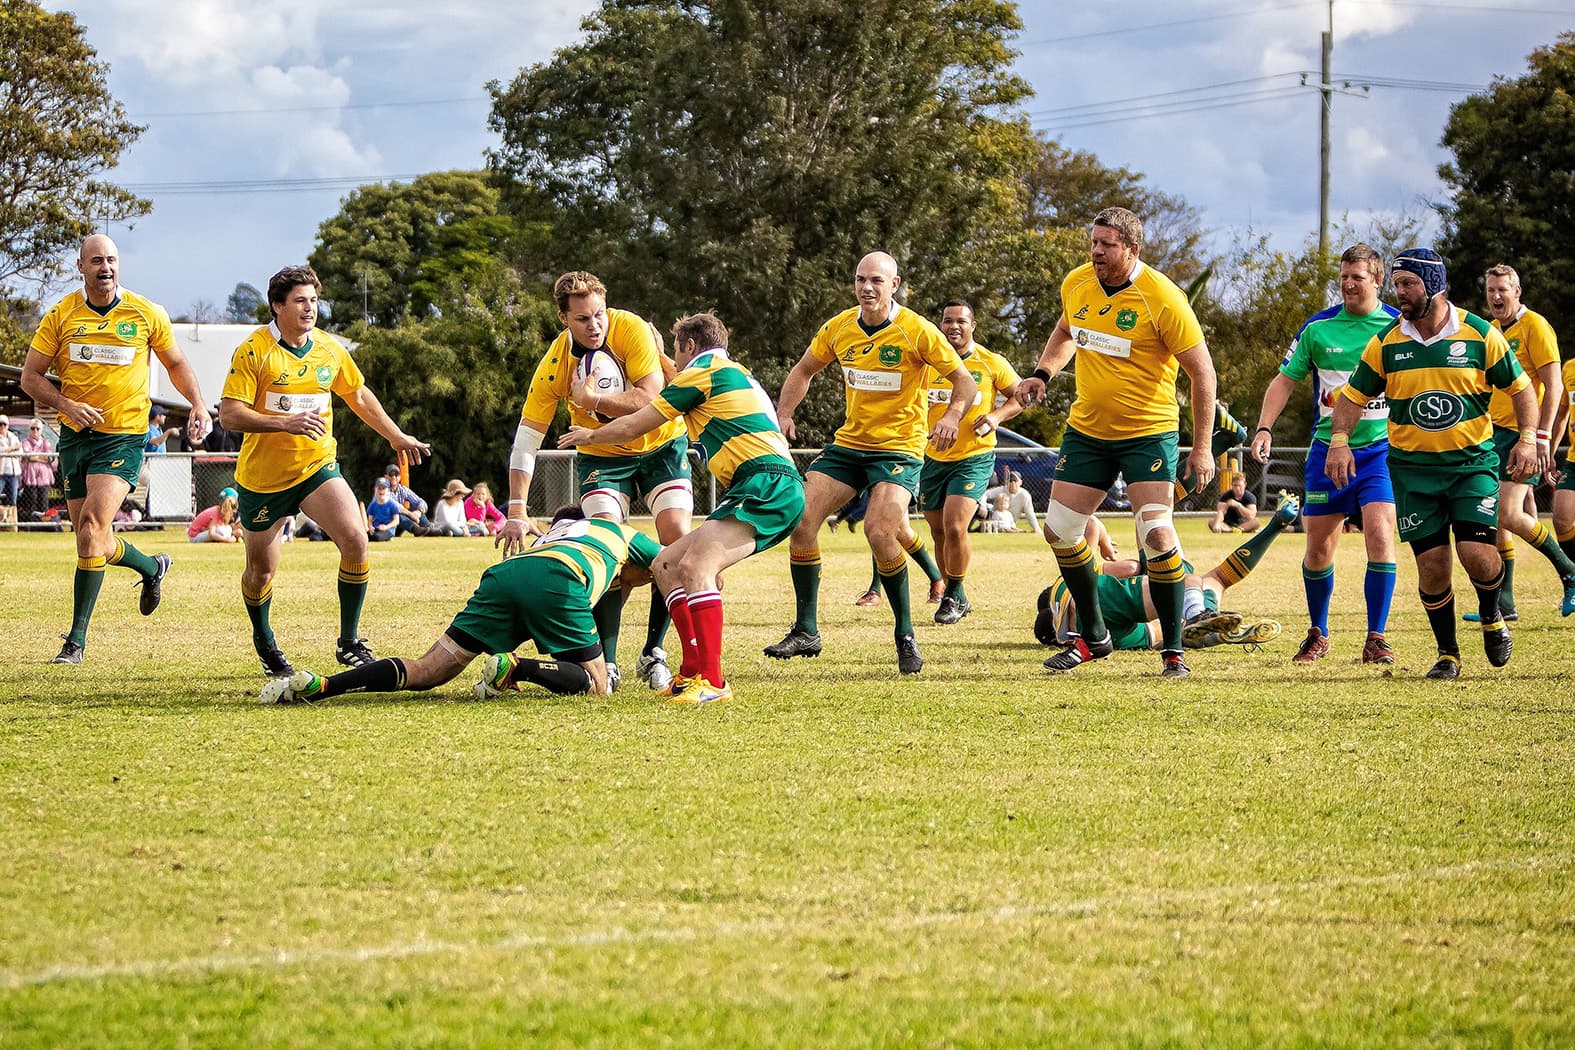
{"type": "Point", "coordinates": [543, 595]}
{"type": "Point", "coordinates": [1132, 617]}
{"type": "Point", "coordinates": [732, 420]}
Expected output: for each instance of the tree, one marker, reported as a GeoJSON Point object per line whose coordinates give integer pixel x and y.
{"type": "Point", "coordinates": [392, 246]}
{"type": "Point", "coordinates": [743, 156]}
{"type": "Point", "coordinates": [456, 378]}
{"type": "Point", "coordinates": [245, 305]}
{"type": "Point", "coordinates": [59, 127]}
{"type": "Point", "coordinates": [1512, 185]}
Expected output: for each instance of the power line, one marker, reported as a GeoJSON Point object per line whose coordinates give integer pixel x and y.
{"type": "Point", "coordinates": [1127, 30]}
{"type": "Point", "coordinates": [1166, 94]}
{"type": "Point", "coordinates": [1179, 109]}
{"type": "Point", "coordinates": [402, 104]}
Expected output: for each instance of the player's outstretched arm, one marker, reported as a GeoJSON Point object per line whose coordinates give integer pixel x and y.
{"type": "Point", "coordinates": [365, 404]}
{"type": "Point", "coordinates": [944, 434]}
{"type": "Point", "coordinates": [794, 387]}
{"type": "Point", "coordinates": [624, 428]}
{"type": "Point", "coordinates": [1275, 399]}
{"type": "Point", "coordinates": [1058, 350]}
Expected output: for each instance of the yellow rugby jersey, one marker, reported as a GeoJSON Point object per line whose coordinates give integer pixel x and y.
{"type": "Point", "coordinates": [630, 340]}
{"type": "Point", "coordinates": [1569, 393]}
{"type": "Point", "coordinates": [595, 548]}
{"type": "Point", "coordinates": [1126, 352]}
{"type": "Point", "coordinates": [101, 356]}
{"type": "Point", "coordinates": [993, 374]}
{"type": "Point", "coordinates": [730, 417]}
{"type": "Point", "coordinates": [277, 380]}
{"type": "Point", "coordinates": [1533, 343]}
{"type": "Point", "coordinates": [885, 376]}
{"type": "Point", "coordinates": [1438, 391]}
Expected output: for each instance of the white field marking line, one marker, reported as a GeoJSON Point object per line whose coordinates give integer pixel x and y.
{"type": "Point", "coordinates": [285, 957]}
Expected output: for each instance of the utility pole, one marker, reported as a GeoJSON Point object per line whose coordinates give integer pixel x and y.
{"type": "Point", "coordinates": [1325, 103]}
{"type": "Point", "coordinates": [366, 314]}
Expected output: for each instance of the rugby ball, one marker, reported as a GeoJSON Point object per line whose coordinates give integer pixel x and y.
{"type": "Point", "coordinates": [603, 376]}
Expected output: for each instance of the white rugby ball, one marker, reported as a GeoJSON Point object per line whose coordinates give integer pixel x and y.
{"type": "Point", "coordinates": [603, 376]}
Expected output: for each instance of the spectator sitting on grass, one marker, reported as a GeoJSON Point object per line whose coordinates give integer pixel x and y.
{"type": "Point", "coordinates": [382, 514]}
{"type": "Point", "coordinates": [482, 516]}
{"type": "Point", "coordinates": [217, 523]}
{"type": "Point", "coordinates": [448, 513]}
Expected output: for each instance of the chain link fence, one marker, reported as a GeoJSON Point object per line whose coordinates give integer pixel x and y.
{"type": "Point", "coordinates": [175, 487]}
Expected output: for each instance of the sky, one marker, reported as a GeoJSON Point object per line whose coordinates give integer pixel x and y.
{"type": "Point", "coordinates": [262, 117]}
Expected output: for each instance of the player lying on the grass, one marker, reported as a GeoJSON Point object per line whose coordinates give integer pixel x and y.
{"type": "Point", "coordinates": [733, 421]}
{"type": "Point", "coordinates": [1129, 609]}
{"type": "Point", "coordinates": [543, 595]}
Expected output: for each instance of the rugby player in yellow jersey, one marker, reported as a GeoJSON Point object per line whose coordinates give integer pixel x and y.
{"type": "Point", "coordinates": [885, 352]}
{"type": "Point", "coordinates": [1435, 366]}
{"type": "Point", "coordinates": [1536, 347]}
{"type": "Point", "coordinates": [654, 466]}
{"type": "Point", "coordinates": [731, 418]}
{"type": "Point", "coordinates": [1130, 328]}
{"type": "Point", "coordinates": [97, 341]}
{"type": "Point", "coordinates": [1564, 493]}
{"type": "Point", "coordinates": [278, 394]}
{"type": "Point", "coordinates": [954, 479]}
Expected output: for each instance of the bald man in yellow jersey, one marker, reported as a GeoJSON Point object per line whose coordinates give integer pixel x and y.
{"type": "Point", "coordinates": [1564, 492]}
{"type": "Point", "coordinates": [954, 479]}
{"type": "Point", "coordinates": [98, 341]}
{"type": "Point", "coordinates": [279, 395]}
{"type": "Point", "coordinates": [1536, 347]}
{"type": "Point", "coordinates": [886, 353]}
{"type": "Point", "coordinates": [1130, 328]}
{"type": "Point", "coordinates": [654, 466]}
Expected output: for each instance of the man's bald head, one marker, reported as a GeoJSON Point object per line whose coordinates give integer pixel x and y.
{"type": "Point", "coordinates": [98, 261]}
{"type": "Point", "coordinates": [880, 261]}
{"type": "Point", "coordinates": [874, 283]}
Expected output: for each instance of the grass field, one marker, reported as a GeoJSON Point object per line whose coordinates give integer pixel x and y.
{"type": "Point", "coordinates": [1263, 855]}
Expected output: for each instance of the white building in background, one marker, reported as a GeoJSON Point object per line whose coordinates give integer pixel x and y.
{"type": "Point", "coordinates": [209, 348]}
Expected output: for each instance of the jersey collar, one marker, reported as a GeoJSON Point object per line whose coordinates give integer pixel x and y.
{"type": "Point", "coordinates": [278, 337]}
{"type": "Point", "coordinates": [1451, 327]}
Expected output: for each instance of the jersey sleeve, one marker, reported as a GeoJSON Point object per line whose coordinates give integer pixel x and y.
{"type": "Point", "coordinates": [1544, 344]}
{"type": "Point", "coordinates": [684, 394]}
{"type": "Point", "coordinates": [240, 383]}
{"type": "Point", "coordinates": [1297, 362]}
{"type": "Point", "coordinates": [1006, 376]}
{"type": "Point", "coordinates": [1502, 368]}
{"type": "Point", "coordinates": [541, 400]}
{"type": "Point", "coordinates": [47, 339]}
{"type": "Point", "coordinates": [642, 549]}
{"type": "Point", "coordinates": [1178, 324]}
{"type": "Point", "coordinates": [1368, 381]}
{"type": "Point", "coordinates": [936, 352]}
{"type": "Point", "coordinates": [637, 340]}
{"type": "Point", "coordinates": [822, 346]}
{"type": "Point", "coordinates": [161, 337]}
{"type": "Point", "coordinates": [348, 378]}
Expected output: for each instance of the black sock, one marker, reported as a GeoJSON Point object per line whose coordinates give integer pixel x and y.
{"type": "Point", "coordinates": [379, 676]}
{"type": "Point", "coordinates": [1487, 597]}
{"type": "Point", "coordinates": [557, 676]}
{"type": "Point", "coordinates": [1441, 616]}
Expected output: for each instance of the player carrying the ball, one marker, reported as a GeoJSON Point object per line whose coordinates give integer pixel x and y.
{"type": "Point", "coordinates": [733, 421]}
{"type": "Point", "coordinates": [654, 466]}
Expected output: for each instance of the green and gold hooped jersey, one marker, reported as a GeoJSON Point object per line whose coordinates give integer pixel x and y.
{"type": "Point", "coordinates": [632, 341]}
{"type": "Point", "coordinates": [1127, 344]}
{"type": "Point", "coordinates": [729, 415]}
{"type": "Point", "coordinates": [279, 380]}
{"type": "Point", "coordinates": [993, 374]}
{"type": "Point", "coordinates": [1532, 341]}
{"type": "Point", "coordinates": [101, 356]}
{"type": "Point", "coordinates": [1438, 391]}
{"type": "Point", "coordinates": [595, 548]}
{"type": "Point", "coordinates": [1569, 393]}
{"type": "Point", "coordinates": [885, 375]}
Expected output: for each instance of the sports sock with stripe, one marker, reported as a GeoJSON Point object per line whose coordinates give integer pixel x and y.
{"type": "Point", "coordinates": [353, 578]}
{"type": "Point", "coordinates": [1378, 586]}
{"type": "Point", "coordinates": [84, 596]}
{"type": "Point", "coordinates": [1319, 586]}
{"type": "Point", "coordinates": [128, 556]}
{"type": "Point", "coordinates": [1167, 584]}
{"type": "Point", "coordinates": [804, 568]}
{"type": "Point", "coordinates": [894, 577]}
{"type": "Point", "coordinates": [258, 604]}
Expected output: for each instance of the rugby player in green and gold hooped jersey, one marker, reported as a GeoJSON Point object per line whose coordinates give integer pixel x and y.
{"type": "Point", "coordinates": [731, 419]}
{"type": "Point", "coordinates": [954, 479]}
{"type": "Point", "coordinates": [1131, 329]}
{"type": "Point", "coordinates": [98, 341]}
{"type": "Point", "coordinates": [543, 595]}
{"type": "Point", "coordinates": [1532, 340]}
{"type": "Point", "coordinates": [279, 394]}
{"type": "Point", "coordinates": [885, 352]}
{"type": "Point", "coordinates": [1436, 366]}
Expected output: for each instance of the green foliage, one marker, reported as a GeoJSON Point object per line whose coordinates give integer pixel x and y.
{"type": "Point", "coordinates": [396, 246]}
{"type": "Point", "coordinates": [744, 156]}
{"type": "Point", "coordinates": [59, 127]}
{"type": "Point", "coordinates": [1512, 185]}
{"type": "Point", "coordinates": [456, 379]}
{"type": "Point", "coordinates": [246, 304]}
{"type": "Point", "coordinates": [1255, 304]}
{"type": "Point", "coordinates": [18, 319]}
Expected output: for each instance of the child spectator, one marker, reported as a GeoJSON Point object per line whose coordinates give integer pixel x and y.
{"type": "Point", "coordinates": [217, 523]}
{"type": "Point", "coordinates": [382, 514]}
{"type": "Point", "coordinates": [448, 513]}
{"type": "Point", "coordinates": [482, 516]}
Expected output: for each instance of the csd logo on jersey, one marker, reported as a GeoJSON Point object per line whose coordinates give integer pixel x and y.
{"type": "Point", "coordinates": [1436, 410]}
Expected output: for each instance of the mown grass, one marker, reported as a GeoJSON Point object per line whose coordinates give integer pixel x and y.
{"type": "Point", "coordinates": [985, 856]}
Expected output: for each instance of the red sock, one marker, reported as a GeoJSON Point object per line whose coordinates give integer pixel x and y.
{"type": "Point", "coordinates": [678, 609]}
{"type": "Point", "coordinates": [705, 611]}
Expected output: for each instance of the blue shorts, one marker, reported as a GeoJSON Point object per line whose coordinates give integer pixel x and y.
{"type": "Point", "coordinates": [1370, 485]}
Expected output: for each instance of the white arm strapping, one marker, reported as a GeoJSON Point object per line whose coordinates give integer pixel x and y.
{"type": "Point", "coordinates": [527, 442]}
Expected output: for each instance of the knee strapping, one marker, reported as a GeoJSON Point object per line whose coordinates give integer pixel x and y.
{"type": "Point", "coordinates": [675, 495]}
{"type": "Point", "coordinates": [1065, 524]}
{"type": "Point", "coordinates": [605, 503]}
{"type": "Point", "coordinates": [1162, 519]}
